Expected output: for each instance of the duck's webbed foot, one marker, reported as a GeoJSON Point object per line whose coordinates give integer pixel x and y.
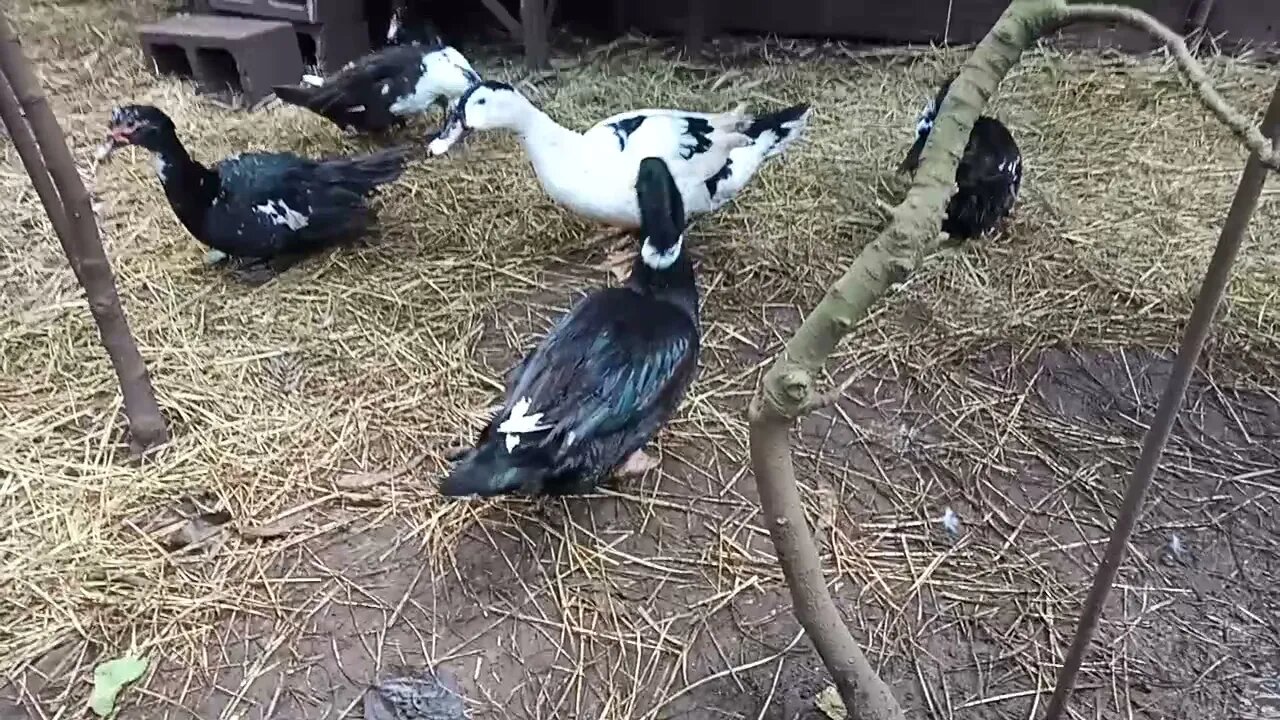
{"type": "Point", "coordinates": [637, 463]}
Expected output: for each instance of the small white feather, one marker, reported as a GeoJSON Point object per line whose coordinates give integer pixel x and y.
{"type": "Point", "coordinates": [951, 522]}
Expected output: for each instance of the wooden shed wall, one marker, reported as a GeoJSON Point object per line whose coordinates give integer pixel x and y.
{"type": "Point", "coordinates": [924, 21]}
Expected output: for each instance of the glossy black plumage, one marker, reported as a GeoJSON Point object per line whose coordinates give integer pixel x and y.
{"type": "Point", "coordinates": [259, 206]}
{"type": "Point", "coordinates": [380, 90]}
{"type": "Point", "coordinates": [606, 378]}
{"type": "Point", "coordinates": [988, 177]}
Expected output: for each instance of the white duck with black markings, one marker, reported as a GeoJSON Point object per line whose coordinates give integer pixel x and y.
{"type": "Point", "coordinates": [711, 156]}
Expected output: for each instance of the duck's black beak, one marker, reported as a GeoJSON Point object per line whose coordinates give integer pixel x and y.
{"type": "Point", "coordinates": [454, 130]}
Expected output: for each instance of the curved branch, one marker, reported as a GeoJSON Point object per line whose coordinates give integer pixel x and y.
{"type": "Point", "coordinates": [787, 390]}
{"type": "Point", "coordinates": [1248, 133]}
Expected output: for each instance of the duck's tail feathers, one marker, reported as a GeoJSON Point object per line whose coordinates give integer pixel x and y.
{"type": "Point", "coordinates": [490, 471]}
{"type": "Point", "coordinates": [300, 95]}
{"type": "Point", "coordinates": [364, 173]}
{"type": "Point", "coordinates": [779, 129]}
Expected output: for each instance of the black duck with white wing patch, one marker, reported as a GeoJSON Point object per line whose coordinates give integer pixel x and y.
{"type": "Point", "coordinates": [988, 177]}
{"type": "Point", "coordinates": [257, 207]}
{"type": "Point", "coordinates": [381, 90]}
{"type": "Point", "coordinates": [606, 378]}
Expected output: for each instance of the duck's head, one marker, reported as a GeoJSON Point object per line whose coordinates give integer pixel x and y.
{"type": "Point", "coordinates": [662, 218]}
{"type": "Point", "coordinates": [449, 71]}
{"type": "Point", "coordinates": [924, 124]}
{"type": "Point", "coordinates": [143, 125]}
{"type": "Point", "coordinates": [409, 28]}
{"type": "Point", "coordinates": [484, 106]}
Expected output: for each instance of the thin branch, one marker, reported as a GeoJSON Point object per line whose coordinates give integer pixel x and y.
{"type": "Point", "coordinates": [1235, 120]}
{"type": "Point", "coordinates": [81, 242]}
{"type": "Point", "coordinates": [1234, 230]}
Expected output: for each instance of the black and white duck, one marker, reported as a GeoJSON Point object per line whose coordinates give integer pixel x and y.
{"type": "Point", "coordinates": [260, 209]}
{"type": "Point", "coordinates": [383, 89]}
{"type": "Point", "coordinates": [606, 378]}
{"type": "Point", "coordinates": [987, 179]}
{"type": "Point", "coordinates": [712, 156]}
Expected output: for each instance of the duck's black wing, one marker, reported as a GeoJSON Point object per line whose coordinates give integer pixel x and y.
{"type": "Point", "coordinates": [988, 179]}
{"type": "Point", "coordinates": [273, 203]}
{"type": "Point", "coordinates": [361, 95]}
{"type": "Point", "coordinates": [615, 368]}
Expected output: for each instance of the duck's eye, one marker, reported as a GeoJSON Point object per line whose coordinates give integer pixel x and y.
{"type": "Point", "coordinates": [481, 101]}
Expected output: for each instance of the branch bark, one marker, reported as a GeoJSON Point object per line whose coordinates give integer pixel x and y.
{"type": "Point", "coordinates": [63, 194]}
{"type": "Point", "coordinates": [788, 390]}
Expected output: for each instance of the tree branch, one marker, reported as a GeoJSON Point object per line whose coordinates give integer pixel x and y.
{"type": "Point", "coordinates": [1248, 133]}
{"type": "Point", "coordinates": [787, 390]}
{"type": "Point", "coordinates": [73, 221]}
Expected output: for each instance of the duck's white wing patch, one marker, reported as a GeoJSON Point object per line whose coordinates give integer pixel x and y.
{"type": "Point", "coordinates": [279, 213]}
{"type": "Point", "coordinates": [313, 80]}
{"type": "Point", "coordinates": [520, 421]}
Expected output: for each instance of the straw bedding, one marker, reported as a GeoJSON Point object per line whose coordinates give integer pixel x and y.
{"type": "Point", "coordinates": [1008, 380]}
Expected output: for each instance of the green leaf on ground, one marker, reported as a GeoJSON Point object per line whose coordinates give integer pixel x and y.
{"type": "Point", "coordinates": [829, 702]}
{"type": "Point", "coordinates": [109, 679]}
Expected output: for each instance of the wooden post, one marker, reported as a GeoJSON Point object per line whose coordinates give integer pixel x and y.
{"type": "Point", "coordinates": [31, 124]}
{"type": "Point", "coordinates": [534, 26]}
{"type": "Point", "coordinates": [1212, 289]}
{"type": "Point", "coordinates": [695, 27]}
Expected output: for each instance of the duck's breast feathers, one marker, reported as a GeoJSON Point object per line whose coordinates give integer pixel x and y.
{"type": "Point", "coordinates": [614, 361]}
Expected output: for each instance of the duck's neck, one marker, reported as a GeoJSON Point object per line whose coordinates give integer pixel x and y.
{"type": "Point", "coordinates": [549, 144]}
{"type": "Point", "coordinates": [675, 283]}
{"type": "Point", "coordinates": [189, 186]}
